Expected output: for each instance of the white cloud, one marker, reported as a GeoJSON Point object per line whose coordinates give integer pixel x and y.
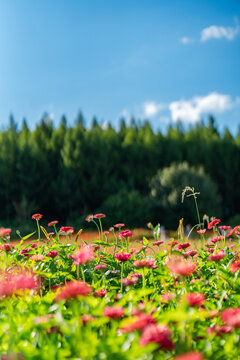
{"type": "Point", "coordinates": [185, 40]}
{"type": "Point", "coordinates": [151, 108]}
{"type": "Point", "coordinates": [191, 110]}
{"type": "Point", "coordinates": [219, 32]}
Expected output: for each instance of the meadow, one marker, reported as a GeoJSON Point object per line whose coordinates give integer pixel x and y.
{"type": "Point", "coordinates": [120, 294]}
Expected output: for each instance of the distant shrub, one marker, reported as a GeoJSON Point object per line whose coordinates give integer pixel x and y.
{"type": "Point", "coordinates": [130, 207]}
{"type": "Point", "coordinates": [166, 191]}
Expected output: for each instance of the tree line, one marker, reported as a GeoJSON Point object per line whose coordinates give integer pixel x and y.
{"type": "Point", "coordinates": [67, 172]}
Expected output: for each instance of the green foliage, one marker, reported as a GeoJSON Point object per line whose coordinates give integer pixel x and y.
{"type": "Point", "coordinates": [166, 192]}
{"type": "Point", "coordinates": [68, 172]}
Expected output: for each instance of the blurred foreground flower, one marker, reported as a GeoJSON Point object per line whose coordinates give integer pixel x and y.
{"type": "Point", "coordinates": [16, 283]}
{"type": "Point", "coordinates": [73, 289]}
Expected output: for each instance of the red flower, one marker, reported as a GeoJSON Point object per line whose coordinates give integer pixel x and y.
{"type": "Point", "coordinates": [52, 253]}
{"type": "Point", "coordinates": [53, 223]}
{"type": "Point", "coordinates": [125, 233]}
{"type": "Point", "coordinates": [100, 293]}
{"type": "Point", "coordinates": [11, 284]}
{"type": "Point", "coordinates": [159, 334]}
{"type": "Point", "coordinates": [99, 216]}
{"type": "Point", "coordinates": [234, 230]}
{"type": "Point", "coordinates": [201, 231]}
{"type": "Point", "coordinates": [37, 216]}
{"type": "Point", "coordinates": [144, 263]}
{"type": "Point", "coordinates": [25, 252]}
{"type": "Point", "coordinates": [72, 290]}
{"type": "Point", "coordinates": [235, 266]}
{"type": "Point", "coordinates": [123, 256]}
{"type": "Point", "coordinates": [213, 223]}
{"type": "Point", "coordinates": [217, 256]}
{"type": "Point", "coordinates": [34, 245]}
{"type": "Point", "coordinates": [66, 230]}
{"type": "Point", "coordinates": [113, 312]}
{"type": "Point", "coordinates": [6, 247]}
{"type": "Point", "coordinates": [183, 246]}
{"type": "Point", "coordinates": [5, 232]}
{"type": "Point", "coordinates": [119, 225]}
{"type": "Point", "coordinates": [216, 239]}
{"type": "Point", "coordinates": [192, 355]}
{"type": "Point", "coordinates": [195, 299]}
{"type": "Point", "coordinates": [138, 323]}
{"type": "Point", "coordinates": [128, 282]}
{"type": "Point", "coordinates": [157, 243]}
{"type": "Point", "coordinates": [83, 256]}
{"type": "Point", "coordinates": [181, 267]}
{"type": "Point", "coordinates": [231, 317]}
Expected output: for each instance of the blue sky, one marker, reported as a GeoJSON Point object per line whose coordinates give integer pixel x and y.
{"type": "Point", "coordinates": [155, 59]}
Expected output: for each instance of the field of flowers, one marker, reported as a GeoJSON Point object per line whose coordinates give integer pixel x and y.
{"type": "Point", "coordinates": [110, 300]}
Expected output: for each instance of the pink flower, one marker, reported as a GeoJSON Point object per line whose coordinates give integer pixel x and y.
{"type": "Point", "coordinates": [5, 232]}
{"type": "Point", "coordinates": [130, 281]}
{"type": "Point", "coordinates": [167, 297]}
{"type": "Point", "coordinates": [66, 230]}
{"type": "Point", "coordinates": [172, 243]}
{"type": "Point", "coordinates": [37, 216]}
{"type": "Point", "coordinates": [231, 317]}
{"type": "Point", "coordinates": [105, 233]}
{"type": "Point", "coordinates": [119, 225]}
{"type": "Point", "coordinates": [100, 267]}
{"type": "Point", "coordinates": [89, 218]}
{"type": "Point", "coordinates": [224, 227]}
{"type": "Point", "coordinates": [37, 257]}
{"type": "Point", "coordinates": [144, 263]}
{"type": "Point", "coordinates": [183, 246]}
{"type": "Point", "coordinates": [83, 256]}
{"type": "Point", "coordinates": [113, 312]}
{"type": "Point", "coordinates": [138, 323]}
{"type": "Point", "coordinates": [217, 256]}
{"type": "Point", "coordinates": [52, 253]}
{"type": "Point", "coordinates": [72, 290]}
{"type": "Point", "coordinates": [213, 223]}
{"type": "Point", "coordinates": [11, 284]}
{"type": "Point", "coordinates": [99, 216]}
{"type": "Point", "coordinates": [135, 275]}
{"type": "Point", "coordinates": [201, 231]}
{"type": "Point", "coordinates": [192, 355]}
{"type": "Point", "coordinates": [123, 256]}
{"type": "Point", "coordinates": [235, 266]}
{"type": "Point", "coordinates": [87, 318]}
{"type": "Point", "coordinates": [125, 233]}
{"type": "Point", "coordinates": [53, 223]}
{"type": "Point", "coordinates": [182, 267]}
{"type": "Point", "coordinates": [195, 299]}
{"type": "Point", "coordinates": [159, 334]}
{"type": "Point", "coordinates": [191, 253]}
{"type": "Point", "coordinates": [100, 293]}
{"type": "Point", "coordinates": [157, 243]}
{"type": "Point", "coordinates": [218, 329]}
